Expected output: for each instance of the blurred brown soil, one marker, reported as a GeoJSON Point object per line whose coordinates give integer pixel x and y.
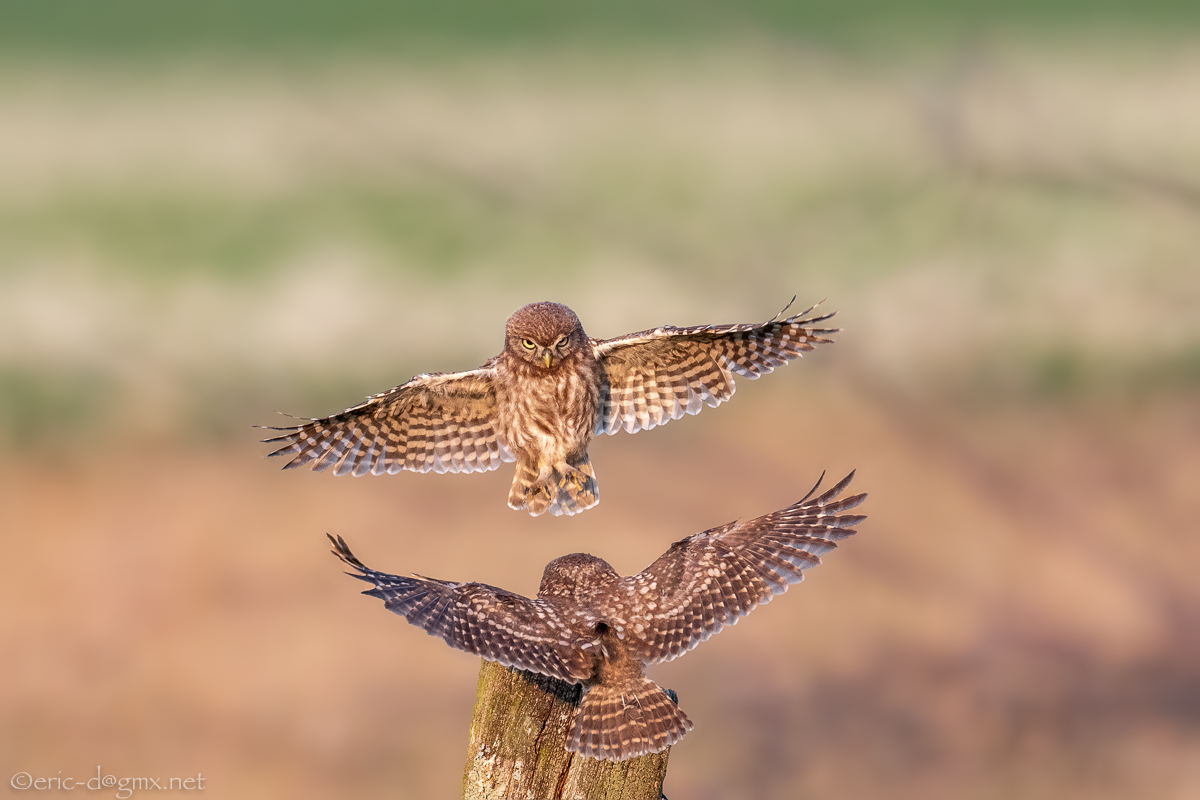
{"type": "Point", "coordinates": [1017, 617]}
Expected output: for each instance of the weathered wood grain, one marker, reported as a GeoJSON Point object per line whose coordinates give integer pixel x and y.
{"type": "Point", "coordinates": [518, 749]}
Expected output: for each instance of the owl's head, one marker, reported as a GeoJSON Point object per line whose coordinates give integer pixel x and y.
{"type": "Point", "coordinates": [576, 576]}
{"type": "Point", "coordinates": [544, 334]}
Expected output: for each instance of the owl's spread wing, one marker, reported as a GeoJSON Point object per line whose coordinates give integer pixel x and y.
{"type": "Point", "coordinates": [658, 375]}
{"type": "Point", "coordinates": [712, 579]}
{"type": "Point", "coordinates": [538, 635]}
{"type": "Point", "coordinates": [444, 422]}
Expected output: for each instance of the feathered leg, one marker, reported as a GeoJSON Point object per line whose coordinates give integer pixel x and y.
{"type": "Point", "coordinates": [562, 489]}
{"type": "Point", "coordinates": [526, 491]}
{"type": "Point", "coordinates": [575, 487]}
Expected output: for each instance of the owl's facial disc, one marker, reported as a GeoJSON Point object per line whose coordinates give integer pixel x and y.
{"type": "Point", "coordinates": [543, 334]}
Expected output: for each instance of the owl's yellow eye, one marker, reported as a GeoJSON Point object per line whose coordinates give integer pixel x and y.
{"type": "Point", "coordinates": [528, 343]}
{"type": "Point", "coordinates": [561, 342]}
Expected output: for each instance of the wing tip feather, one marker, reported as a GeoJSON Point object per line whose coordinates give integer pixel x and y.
{"type": "Point", "coordinates": [344, 554]}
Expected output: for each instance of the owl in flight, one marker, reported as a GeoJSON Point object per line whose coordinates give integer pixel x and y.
{"type": "Point", "coordinates": [589, 625]}
{"type": "Point", "coordinates": [543, 398]}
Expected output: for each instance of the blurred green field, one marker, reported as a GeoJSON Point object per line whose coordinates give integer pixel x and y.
{"type": "Point", "coordinates": [211, 212]}
{"type": "Point", "coordinates": [195, 244]}
{"type": "Point", "coordinates": [305, 27]}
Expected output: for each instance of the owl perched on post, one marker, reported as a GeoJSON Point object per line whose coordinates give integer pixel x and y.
{"type": "Point", "coordinates": [589, 625]}
{"type": "Point", "coordinates": [542, 399]}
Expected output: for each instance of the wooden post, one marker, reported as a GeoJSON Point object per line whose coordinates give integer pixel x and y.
{"type": "Point", "coordinates": [518, 749]}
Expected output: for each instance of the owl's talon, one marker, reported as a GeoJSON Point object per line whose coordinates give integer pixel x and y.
{"type": "Point", "coordinates": [538, 498]}
{"type": "Point", "coordinates": [532, 492]}
{"type": "Point", "coordinates": [575, 477]}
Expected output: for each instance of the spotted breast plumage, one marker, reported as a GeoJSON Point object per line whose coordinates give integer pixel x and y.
{"type": "Point", "coordinates": [589, 625]}
{"type": "Point", "coordinates": [542, 399]}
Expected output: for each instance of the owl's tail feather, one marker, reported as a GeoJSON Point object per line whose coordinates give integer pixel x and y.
{"type": "Point", "coordinates": [616, 723]}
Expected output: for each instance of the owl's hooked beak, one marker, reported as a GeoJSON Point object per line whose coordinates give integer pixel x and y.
{"type": "Point", "coordinates": [546, 356]}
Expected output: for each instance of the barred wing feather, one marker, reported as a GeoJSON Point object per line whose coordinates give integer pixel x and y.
{"type": "Point", "coordinates": [439, 422]}
{"type": "Point", "coordinates": [538, 635]}
{"type": "Point", "coordinates": [654, 376]}
{"type": "Point", "coordinates": [714, 578]}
